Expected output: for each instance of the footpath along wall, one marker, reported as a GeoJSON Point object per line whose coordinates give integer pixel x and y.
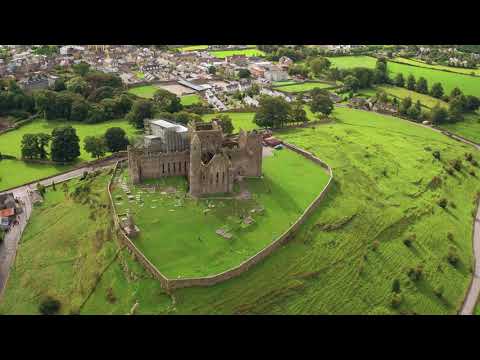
{"type": "Point", "coordinates": [172, 284]}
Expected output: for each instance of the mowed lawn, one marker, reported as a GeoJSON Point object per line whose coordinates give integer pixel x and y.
{"type": "Point", "coordinates": [247, 52]}
{"type": "Point", "coordinates": [242, 120]}
{"type": "Point", "coordinates": [146, 91]}
{"type": "Point", "coordinates": [303, 87]}
{"type": "Point", "coordinates": [193, 48]}
{"type": "Point", "coordinates": [190, 99]}
{"type": "Point", "coordinates": [64, 249]}
{"type": "Point", "coordinates": [178, 234]}
{"type": "Point", "coordinates": [470, 85]}
{"type": "Point", "coordinates": [382, 192]}
{"type": "Point", "coordinates": [14, 173]}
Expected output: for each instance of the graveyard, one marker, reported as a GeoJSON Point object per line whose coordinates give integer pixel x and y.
{"type": "Point", "coordinates": [184, 237]}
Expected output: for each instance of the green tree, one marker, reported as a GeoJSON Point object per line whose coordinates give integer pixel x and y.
{"type": "Point", "coordinates": [272, 112]}
{"type": "Point", "coordinates": [321, 102]}
{"type": "Point", "coordinates": [42, 142]}
{"type": "Point", "coordinates": [81, 68]}
{"type": "Point", "coordinates": [456, 107]}
{"type": "Point", "coordinates": [77, 85]}
{"type": "Point", "coordinates": [319, 65]}
{"type": "Point", "coordinates": [438, 115]}
{"type": "Point", "coordinates": [65, 144]}
{"type": "Point", "coordinates": [351, 83]}
{"type": "Point", "coordinates": [59, 85]}
{"type": "Point", "coordinates": [380, 73]}
{"type": "Point", "coordinates": [437, 90]}
{"type": "Point", "coordinates": [298, 113]}
{"type": "Point", "coordinates": [405, 105]}
{"type": "Point", "coordinates": [141, 110]}
{"type": "Point", "coordinates": [116, 139]}
{"type": "Point", "coordinates": [79, 110]}
{"type": "Point", "coordinates": [399, 80]}
{"type": "Point", "coordinates": [422, 86]}
{"type": "Point", "coordinates": [455, 92]}
{"type": "Point", "coordinates": [411, 83]}
{"type": "Point", "coordinates": [95, 145]}
{"type": "Point", "coordinates": [225, 122]}
{"type": "Point", "coordinates": [472, 103]}
{"type": "Point", "coordinates": [212, 70]}
{"type": "Point", "coordinates": [29, 146]}
{"type": "Point", "coordinates": [244, 73]}
{"type": "Point", "coordinates": [166, 101]}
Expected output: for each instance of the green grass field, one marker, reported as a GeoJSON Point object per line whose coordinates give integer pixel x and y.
{"type": "Point", "coordinates": [382, 192]}
{"type": "Point", "coordinates": [146, 91]}
{"type": "Point", "coordinates": [304, 87]}
{"type": "Point", "coordinates": [240, 120]}
{"type": "Point", "coordinates": [63, 251]}
{"type": "Point", "coordinates": [178, 234]}
{"type": "Point", "coordinates": [247, 52]}
{"type": "Point", "coordinates": [468, 84]}
{"type": "Point", "coordinates": [193, 48]}
{"type": "Point", "coordinates": [190, 99]}
{"type": "Point", "coordinates": [469, 127]}
{"type": "Point", "coordinates": [15, 173]}
{"type": "Point", "coordinates": [437, 67]}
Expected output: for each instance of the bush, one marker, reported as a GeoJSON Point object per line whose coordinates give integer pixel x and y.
{"type": "Point", "coordinates": [409, 241]}
{"type": "Point", "coordinates": [396, 301]}
{"type": "Point", "coordinates": [396, 286]}
{"type": "Point", "coordinates": [443, 203]}
{"type": "Point", "coordinates": [375, 245]}
{"type": "Point", "coordinates": [457, 164]}
{"type": "Point", "coordinates": [450, 236]}
{"type": "Point", "coordinates": [469, 157]}
{"type": "Point", "coordinates": [436, 154]}
{"type": "Point", "coordinates": [49, 306]}
{"type": "Point", "coordinates": [453, 258]}
{"type": "Point", "coordinates": [415, 274]}
{"type": "Point", "coordinates": [438, 291]}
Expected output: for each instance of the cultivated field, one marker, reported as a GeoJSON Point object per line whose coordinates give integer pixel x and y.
{"type": "Point", "coordinates": [193, 48]}
{"type": "Point", "coordinates": [383, 192]}
{"type": "Point", "coordinates": [15, 173]}
{"type": "Point", "coordinates": [63, 251]}
{"type": "Point", "coordinates": [178, 234]}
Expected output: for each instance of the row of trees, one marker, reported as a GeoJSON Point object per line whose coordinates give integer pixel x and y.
{"type": "Point", "coordinates": [65, 144]}
{"type": "Point", "coordinates": [276, 112]}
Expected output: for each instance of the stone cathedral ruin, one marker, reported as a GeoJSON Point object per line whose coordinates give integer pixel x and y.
{"type": "Point", "coordinates": [211, 160]}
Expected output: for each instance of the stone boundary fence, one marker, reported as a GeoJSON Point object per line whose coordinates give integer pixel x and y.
{"type": "Point", "coordinates": [172, 284]}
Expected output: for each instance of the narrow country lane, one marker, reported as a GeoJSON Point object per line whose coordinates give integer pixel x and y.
{"type": "Point", "coordinates": [8, 248]}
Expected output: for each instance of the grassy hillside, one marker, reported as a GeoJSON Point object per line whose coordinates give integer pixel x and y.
{"type": "Point", "coordinates": [438, 67]}
{"type": "Point", "coordinates": [65, 248]}
{"type": "Point", "coordinates": [383, 194]}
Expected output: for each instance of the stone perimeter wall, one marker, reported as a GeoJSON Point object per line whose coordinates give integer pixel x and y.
{"type": "Point", "coordinates": [172, 284]}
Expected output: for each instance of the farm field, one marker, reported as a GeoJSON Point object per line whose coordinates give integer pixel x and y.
{"type": "Point", "coordinates": [63, 251]}
{"type": "Point", "coordinates": [468, 84]}
{"type": "Point", "coordinates": [190, 99]}
{"type": "Point", "coordinates": [437, 67]}
{"type": "Point", "coordinates": [146, 91]}
{"type": "Point", "coordinates": [247, 52]}
{"type": "Point", "coordinates": [469, 127]}
{"type": "Point", "coordinates": [177, 234]}
{"type": "Point", "coordinates": [304, 87]}
{"type": "Point", "coordinates": [401, 93]}
{"type": "Point", "coordinates": [382, 192]}
{"type": "Point", "coordinates": [239, 120]}
{"type": "Point", "coordinates": [193, 48]}
{"type": "Point", "coordinates": [15, 173]}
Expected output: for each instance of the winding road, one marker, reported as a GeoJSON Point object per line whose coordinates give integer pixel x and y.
{"type": "Point", "coordinates": [8, 248]}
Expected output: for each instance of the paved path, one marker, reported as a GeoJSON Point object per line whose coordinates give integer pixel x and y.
{"type": "Point", "coordinates": [8, 248]}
